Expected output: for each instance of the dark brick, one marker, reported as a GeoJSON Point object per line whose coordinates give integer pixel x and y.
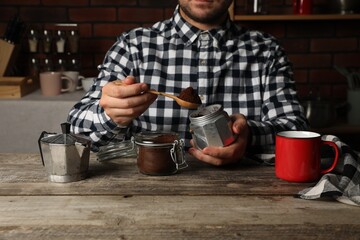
{"type": "Point", "coordinates": [311, 60]}
{"type": "Point", "coordinates": [158, 3]}
{"type": "Point", "coordinates": [334, 45]}
{"type": "Point", "coordinates": [45, 15]}
{"type": "Point", "coordinates": [138, 15]}
{"type": "Point", "coordinates": [113, 3]}
{"type": "Point", "coordinates": [66, 3]}
{"type": "Point", "coordinates": [92, 14]}
{"type": "Point", "coordinates": [19, 2]}
{"type": "Point", "coordinates": [112, 30]}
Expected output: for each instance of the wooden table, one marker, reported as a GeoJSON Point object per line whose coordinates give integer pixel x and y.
{"type": "Point", "coordinates": [245, 201]}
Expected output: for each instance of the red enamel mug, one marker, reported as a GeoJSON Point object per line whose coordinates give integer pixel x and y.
{"type": "Point", "coordinates": [302, 7]}
{"type": "Point", "coordinates": [298, 156]}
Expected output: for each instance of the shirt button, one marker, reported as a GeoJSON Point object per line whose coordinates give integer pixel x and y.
{"type": "Point", "coordinates": [204, 36]}
{"type": "Point", "coordinates": [202, 62]}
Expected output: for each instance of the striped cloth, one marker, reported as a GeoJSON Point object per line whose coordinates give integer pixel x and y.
{"type": "Point", "coordinates": [343, 183]}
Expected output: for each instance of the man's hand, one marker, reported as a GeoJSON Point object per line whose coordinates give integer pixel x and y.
{"type": "Point", "coordinates": [229, 154]}
{"type": "Point", "coordinates": [122, 103]}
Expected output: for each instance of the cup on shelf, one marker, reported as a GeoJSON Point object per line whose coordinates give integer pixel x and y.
{"type": "Point", "coordinates": [302, 7]}
{"type": "Point", "coordinates": [75, 77]}
{"type": "Point", "coordinates": [87, 83]}
{"type": "Point", "coordinates": [51, 83]}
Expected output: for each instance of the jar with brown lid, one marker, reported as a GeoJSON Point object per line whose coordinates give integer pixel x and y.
{"type": "Point", "coordinates": [159, 153]}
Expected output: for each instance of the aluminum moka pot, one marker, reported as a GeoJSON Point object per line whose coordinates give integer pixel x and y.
{"type": "Point", "coordinates": [65, 156]}
{"type": "Point", "coordinates": [211, 126]}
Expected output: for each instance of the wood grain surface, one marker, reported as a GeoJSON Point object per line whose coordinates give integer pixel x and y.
{"type": "Point", "coordinates": [244, 201]}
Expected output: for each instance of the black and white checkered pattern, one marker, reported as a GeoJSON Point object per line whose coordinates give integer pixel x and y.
{"type": "Point", "coordinates": [343, 184]}
{"type": "Point", "coordinates": [245, 71]}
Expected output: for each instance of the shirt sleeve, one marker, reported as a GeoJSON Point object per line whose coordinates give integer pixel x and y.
{"type": "Point", "coordinates": [87, 117]}
{"type": "Point", "coordinates": [281, 109]}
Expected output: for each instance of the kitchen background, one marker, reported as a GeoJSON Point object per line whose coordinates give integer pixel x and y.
{"type": "Point", "coordinates": [314, 46]}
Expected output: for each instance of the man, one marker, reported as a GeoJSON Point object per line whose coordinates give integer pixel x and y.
{"type": "Point", "coordinates": [247, 72]}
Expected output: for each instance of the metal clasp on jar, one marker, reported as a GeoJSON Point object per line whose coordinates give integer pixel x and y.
{"type": "Point", "coordinates": [178, 154]}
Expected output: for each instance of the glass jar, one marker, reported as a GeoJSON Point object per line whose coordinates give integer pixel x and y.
{"type": "Point", "coordinates": [256, 6]}
{"type": "Point", "coordinates": [60, 65]}
{"type": "Point", "coordinates": [34, 68]}
{"type": "Point", "coordinates": [73, 41]}
{"type": "Point", "coordinates": [211, 126]}
{"type": "Point", "coordinates": [47, 65]}
{"type": "Point", "coordinates": [47, 41]}
{"type": "Point", "coordinates": [124, 148]}
{"type": "Point", "coordinates": [159, 153]}
{"type": "Point", "coordinates": [60, 42]}
{"type": "Point", "coordinates": [74, 65]}
{"type": "Point", "coordinates": [33, 41]}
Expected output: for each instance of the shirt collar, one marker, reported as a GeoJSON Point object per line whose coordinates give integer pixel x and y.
{"type": "Point", "coordinates": [189, 33]}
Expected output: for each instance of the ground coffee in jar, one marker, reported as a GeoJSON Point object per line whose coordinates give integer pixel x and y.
{"type": "Point", "coordinates": [159, 153]}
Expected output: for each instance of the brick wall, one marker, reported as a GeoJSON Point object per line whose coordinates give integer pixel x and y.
{"type": "Point", "coordinates": [313, 46]}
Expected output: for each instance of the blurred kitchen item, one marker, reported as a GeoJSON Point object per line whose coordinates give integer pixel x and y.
{"type": "Point", "coordinates": [302, 7]}
{"type": "Point", "coordinates": [47, 41]}
{"type": "Point", "coordinates": [17, 87]}
{"type": "Point", "coordinates": [13, 86]}
{"type": "Point", "coordinates": [33, 40]}
{"type": "Point", "coordinates": [47, 65]}
{"type": "Point", "coordinates": [356, 80]}
{"type": "Point", "coordinates": [10, 45]}
{"type": "Point", "coordinates": [353, 98]}
{"type": "Point", "coordinates": [74, 65]}
{"type": "Point", "coordinates": [73, 41]}
{"type": "Point", "coordinates": [60, 41]}
{"type": "Point", "coordinates": [8, 52]}
{"type": "Point", "coordinates": [60, 65]}
{"type": "Point", "coordinates": [34, 68]}
{"type": "Point", "coordinates": [345, 6]}
{"type": "Point", "coordinates": [87, 83]}
{"type": "Point", "coordinates": [75, 77]}
{"type": "Point", "coordinates": [65, 156]}
{"type": "Point", "coordinates": [320, 114]}
{"type": "Point", "coordinates": [14, 30]}
{"type": "Point", "coordinates": [353, 78]}
{"type": "Point", "coordinates": [256, 6]}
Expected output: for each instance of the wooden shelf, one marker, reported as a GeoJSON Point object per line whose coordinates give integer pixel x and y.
{"type": "Point", "coordinates": [291, 17]}
{"type": "Point", "coordinates": [310, 17]}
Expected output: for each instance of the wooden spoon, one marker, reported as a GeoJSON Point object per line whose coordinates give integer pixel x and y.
{"type": "Point", "coordinates": [183, 103]}
{"type": "Point", "coordinates": [179, 101]}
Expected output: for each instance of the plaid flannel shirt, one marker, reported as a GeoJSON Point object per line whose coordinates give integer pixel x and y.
{"type": "Point", "coordinates": [245, 71]}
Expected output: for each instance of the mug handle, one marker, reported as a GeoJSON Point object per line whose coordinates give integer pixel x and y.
{"type": "Point", "coordinates": [70, 83]}
{"type": "Point", "coordinates": [336, 158]}
{"type": "Point", "coordinates": [79, 87]}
